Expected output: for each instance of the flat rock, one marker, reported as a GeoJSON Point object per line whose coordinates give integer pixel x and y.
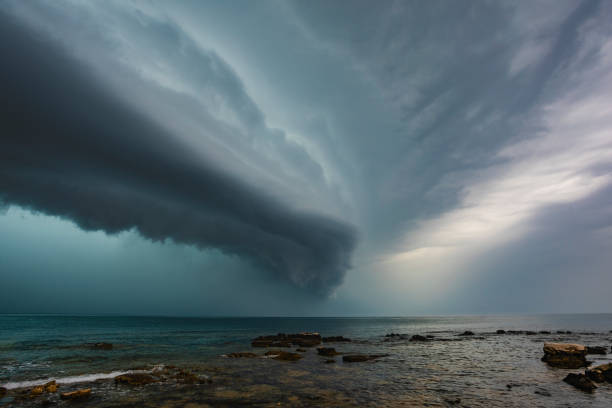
{"type": "Point", "coordinates": [78, 394]}
{"type": "Point", "coordinates": [135, 379]}
{"type": "Point", "coordinates": [335, 339]}
{"type": "Point", "coordinates": [284, 355]}
{"type": "Point", "coordinates": [565, 355]}
{"type": "Point", "coordinates": [327, 351]}
{"type": "Point", "coordinates": [596, 350]}
{"type": "Point", "coordinates": [359, 358]}
{"type": "Point", "coordinates": [242, 354]}
{"type": "Point", "coordinates": [580, 381]}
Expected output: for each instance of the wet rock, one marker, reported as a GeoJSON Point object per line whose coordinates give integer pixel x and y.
{"type": "Point", "coordinates": [359, 358]}
{"type": "Point", "coordinates": [301, 350]}
{"type": "Point", "coordinates": [600, 373]}
{"type": "Point", "coordinates": [78, 394]}
{"type": "Point", "coordinates": [187, 377]}
{"type": "Point", "coordinates": [516, 331]}
{"type": "Point", "coordinates": [135, 379]}
{"type": "Point", "coordinates": [242, 354]}
{"type": "Point", "coordinates": [500, 331]}
{"type": "Point", "coordinates": [596, 350]}
{"type": "Point", "coordinates": [544, 332]}
{"type": "Point", "coordinates": [564, 355]}
{"type": "Point", "coordinates": [580, 381]}
{"type": "Point", "coordinates": [37, 390]}
{"type": "Point", "coordinates": [418, 337]}
{"type": "Point", "coordinates": [287, 340]}
{"type": "Point", "coordinates": [284, 355]}
{"type": "Point", "coordinates": [102, 346]}
{"type": "Point", "coordinates": [453, 401]}
{"type": "Point", "coordinates": [327, 351]}
{"type": "Point", "coordinates": [2, 392]}
{"type": "Point", "coordinates": [467, 333]}
{"type": "Point", "coordinates": [335, 339]}
{"type": "Point", "coordinates": [51, 386]}
{"type": "Point", "coordinates": [330, 361]}
{"type": "Point", "coordinates": [530, 333]}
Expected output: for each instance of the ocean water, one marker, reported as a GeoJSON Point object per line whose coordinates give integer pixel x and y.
{"type": "Point", "coordinates": [484, 370]}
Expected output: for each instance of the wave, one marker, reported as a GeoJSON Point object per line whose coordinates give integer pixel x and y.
{"type": "Point", "coordinates": [73, 379]}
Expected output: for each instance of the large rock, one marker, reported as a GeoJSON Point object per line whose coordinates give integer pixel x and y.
{"type": "Point", "coordinates": [600, 373]}
{"type": "Point", "coordinates": [580, 381]}
{"type": "Point", "coordinates": [287, 340]}
{"type": "Point", "coordinates": [78, 394]}
{"type": "Point", "coordinates": [135, 379]}
{"type": "Point", "coordinates": [565, 355]}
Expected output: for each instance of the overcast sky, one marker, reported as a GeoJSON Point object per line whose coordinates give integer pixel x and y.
{"type": "Point", "coordinates": [305, 158]}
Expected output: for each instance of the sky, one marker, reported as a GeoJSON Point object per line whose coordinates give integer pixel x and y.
{"type": "Point", "coordinates": [307, 158]}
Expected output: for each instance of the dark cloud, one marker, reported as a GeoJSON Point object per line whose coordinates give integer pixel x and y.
{"type": "Point", "coordinates": [72, 149]}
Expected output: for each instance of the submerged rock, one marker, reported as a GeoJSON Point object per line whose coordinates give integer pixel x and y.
{"type": "Point", "coordinates": [335, 339]}
{"type": "Point", "coordinates": [327, 351]}
{"type": "Point", "coordinates": [600, 373]}
{"type": "Point", "coordinates": [135, 379]}
{"type": "Point", "coordinates": [596, 350]}
{"type": "Point", "coordinates": [359, 358]}
{"type": "Point", "coordinates": [102, 346]}
{"type": "Point", "coordinates": [242, 354]}
{"type": "Point", "coordinates": [565, 355]}
{"type": "Point", "coordinates": [78, 394]}
{"type": "Point", "coordinates": [580, 381]}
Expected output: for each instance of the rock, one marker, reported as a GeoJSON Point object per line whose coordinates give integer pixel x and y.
{"type": "Point", "coordinates": [467, 333]}
{"type": "Point", "coordinates": [187, 377]}
{"type": "Point", "coordinates": [453, 401]}
{"type": "Point", "coordinates": [430, 336]}
{"type": "Point", "coordinates": [284, 355]}
{"type": "Point", "coordinates": [330, 361]}
{"type": "Point", "coordinates": [596, 350]}
{"type": "Point", "coordinates": [500, 331]}
{"type": "Point", "coordinates": [327, 351]}
{"type": "Point", "coordinates": [287, 340]}
{"type": "Point", "coordinates": [418, 337]}
{"type": "Point", "coordinates": [580, 381]}
{"type": "Point", "coordinates": [102, 346]}
{"type": "Point", "coordinates": [530, 333]}
{"type": "Point", "coordinates": [51, 386]}
{"type": "Point", "coordinates": [600, 373]}
{"type": "Point", "coordinates": [78, 394]}
{"type": "Point", "coordinates": [37, 390]}
{"type": "Point", "coordinates": [544, 332]}
{"type": "Point", "coordinates": [516, 331]}
{"type": "Point", "coordinates": [543, 392]}
{"type": "Point", "coordinates": [335, 339]}
{"type": "Point", "coordinates": [242, 354]}
{"type": "Point", "coordinates": [301, 350]}
{"type": "Point", "coordinates": [2, 392]}
{"type": "Point", "coordinates": [135, 379]}
{"type": "Point", "coordinates": [565, 355]}
{"type": "Point", "coordinates": [359, 358]}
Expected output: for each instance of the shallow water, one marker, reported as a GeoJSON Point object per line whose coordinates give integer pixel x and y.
{"type": "Point", "coordinates": [467, 371]}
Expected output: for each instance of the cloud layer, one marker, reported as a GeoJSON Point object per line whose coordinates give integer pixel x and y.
{"type": "Point", "coordinates": [72, 149]}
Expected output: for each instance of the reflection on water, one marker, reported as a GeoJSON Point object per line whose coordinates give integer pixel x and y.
{"type": "Point", "coordinates": [483, 370]}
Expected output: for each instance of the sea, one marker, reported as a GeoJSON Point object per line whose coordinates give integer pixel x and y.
{"type": "Point", "coordinates": [485, 369]}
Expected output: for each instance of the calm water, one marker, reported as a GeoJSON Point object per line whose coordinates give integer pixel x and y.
{"type": "Point", "coordinates": [469, 372]}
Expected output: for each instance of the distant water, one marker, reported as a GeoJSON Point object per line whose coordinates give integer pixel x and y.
{"type": "Point", "coordinates": [486, 370]}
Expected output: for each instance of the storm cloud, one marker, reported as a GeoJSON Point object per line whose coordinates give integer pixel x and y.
{"type": "Point", "coordinates": [72, 149]}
